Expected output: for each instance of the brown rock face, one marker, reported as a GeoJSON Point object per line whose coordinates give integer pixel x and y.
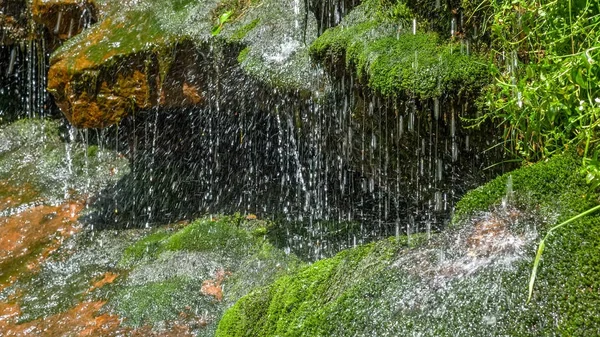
{"type": "Point", "coordinates": [97, 96]}
{"type": "Point", "coordinates": [64, 18]}
{"type": "Point", "coordinates": [95, 100]}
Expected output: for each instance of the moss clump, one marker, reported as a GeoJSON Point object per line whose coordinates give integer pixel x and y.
{"type": "Point", "coordinates": [223, 234]}
{"type": "Point", "coordinates": [301, 303]}
{"type": "Point", "coordinates": [553, 186]}
{"type": "Point", "coordinates": [394, 61]}
{"type": "Point", "coordinates": [147, 247]}
{"type": "Point", "coordinates": [207, 234]}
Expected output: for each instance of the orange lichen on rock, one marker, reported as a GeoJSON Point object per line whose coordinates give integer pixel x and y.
{"type": "Point", "coordinates": [107, 278]}
{"type": "Point", "coordinates": [191, 93]}
{"type": "Point", "coordinates": [82, 320]}
{"type": "Point", "coordinates": [30, 236]}
{"type": "Point", "coordinates": [9, 313]}
{"type": "Point", "coordinates": [214, 287]}
{"type": "Point", "coordinates": [115, 98]}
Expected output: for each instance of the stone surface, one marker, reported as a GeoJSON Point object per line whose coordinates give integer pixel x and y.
{"type": "Point", "coordinates": [470, 280]}
{"type": "Point", "coordinates": [156, 54]}
{"type": "Point", "coordinates": [64, 18]}
{"type": "Point", "coordinates": [13, 21]}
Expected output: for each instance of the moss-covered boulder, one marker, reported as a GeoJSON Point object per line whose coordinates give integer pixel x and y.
{"type": "Point", "coordinates": [169, 53]}
{"type": "Point", "coordinates": [469, 281]}
{"type": "Point", "coordinates": [393, 50]}
{"type": "Point", "coordinates": [198, 269]}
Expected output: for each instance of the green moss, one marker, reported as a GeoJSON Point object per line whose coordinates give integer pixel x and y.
{"type": "Point", "coordinates": [386, 289]}
{"type": "Point", "coordinates": [569, 270]}
{"type": "Point", "coordinates": [224, 242]}
{"type": "Point", "coordinates": [179, 5]}
{"type": "Point", "coordinates": [207, 234]}
{"type": "Point", "coordinates": [243, 55]}
{"type": "Point", "coordinates": [160, 301]}
{"type": "Point", "coordinates": [146, 247]}
{"type": "Point", "coordinates": [554, 186]}
{"type": "Point", "coordinates": [299, 303]}
{"type": "Point", "coordinates": [390, 59]}
{"type": "Point", "coordinates": [241, 32]}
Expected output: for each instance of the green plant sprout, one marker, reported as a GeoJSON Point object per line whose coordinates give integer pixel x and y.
{"type": "Point", "coordinates": [223, 18]}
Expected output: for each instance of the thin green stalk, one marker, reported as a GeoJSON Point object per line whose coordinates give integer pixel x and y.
{"type": "Point", "coordinates": [542, 245]}
{"type": "Point", "coordinates": [571, 26]}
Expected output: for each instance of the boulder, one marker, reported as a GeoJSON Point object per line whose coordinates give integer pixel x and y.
{"type": "Point", "coordinates": [64, 18]}
{"type": "Point", "coordinates": [160, 54]}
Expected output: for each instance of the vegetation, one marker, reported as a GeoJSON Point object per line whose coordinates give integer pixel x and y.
{"type": "Point", "coordinates": [545, 62]}
{"type": "Point", "coordinates": [187, 256]}
{"type": "Point", "coordinates": [377, 42]}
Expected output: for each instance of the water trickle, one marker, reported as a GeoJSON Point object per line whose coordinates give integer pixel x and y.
{"type": "Point", "coordinates": [58, 22]}
{"type": "Point", "coordinates": [11, 64]}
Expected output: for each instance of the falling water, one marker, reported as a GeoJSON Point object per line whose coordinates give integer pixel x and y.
{"type": "Point", "coordinates": [24, 76]}
{"type": "Point", "coordinates": [349, 164]}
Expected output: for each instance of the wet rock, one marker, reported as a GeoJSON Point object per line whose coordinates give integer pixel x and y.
{"type": "Point", "coordinates": [149, 54]}
{"type": "Point", "coordinates": [64, 18]}
{"type": "Point", "coordinates": [35, 161]}
{"type": "Point", "coordinates": [13, 21]}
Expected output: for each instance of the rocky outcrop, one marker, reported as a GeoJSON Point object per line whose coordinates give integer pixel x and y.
{"type": "Point", "coordinates": [156, 54]}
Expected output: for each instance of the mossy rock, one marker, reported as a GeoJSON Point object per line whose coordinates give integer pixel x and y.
{"type": "Point", "coordinates": [169, 266]}
{"type": "Point", "coordinates": [36, 161]}
{"type": "Point", "coordinates": [146, 54]}
{"type": "Point", "coordinates": [554, 186]}
{"type": "Point", "coordinates": [445, 286]}
{"type": "Point", "coordinates": [377, 42]}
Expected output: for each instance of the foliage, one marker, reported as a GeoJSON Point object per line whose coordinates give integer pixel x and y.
{"type": "Point", "coordinates": [223, 18]}
{"type": "Point", "coordinates": [229, 242]}
{"type": "Point", "coordinates": [228, 11]}
{"type": "Point", "coordinates": [545, 59]}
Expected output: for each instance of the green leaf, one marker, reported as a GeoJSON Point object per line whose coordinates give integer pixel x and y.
{"type": "Point", "coordinates": [225, 17]}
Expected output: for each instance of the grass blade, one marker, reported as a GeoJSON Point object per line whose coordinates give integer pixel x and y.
{"type": "Point", "coordinates": [538, 255]}
{"type": "Point", "coordinates": [536, 263]}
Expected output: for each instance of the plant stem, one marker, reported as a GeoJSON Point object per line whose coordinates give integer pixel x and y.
{"type": "Point", "coordinates": [542, 245]}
